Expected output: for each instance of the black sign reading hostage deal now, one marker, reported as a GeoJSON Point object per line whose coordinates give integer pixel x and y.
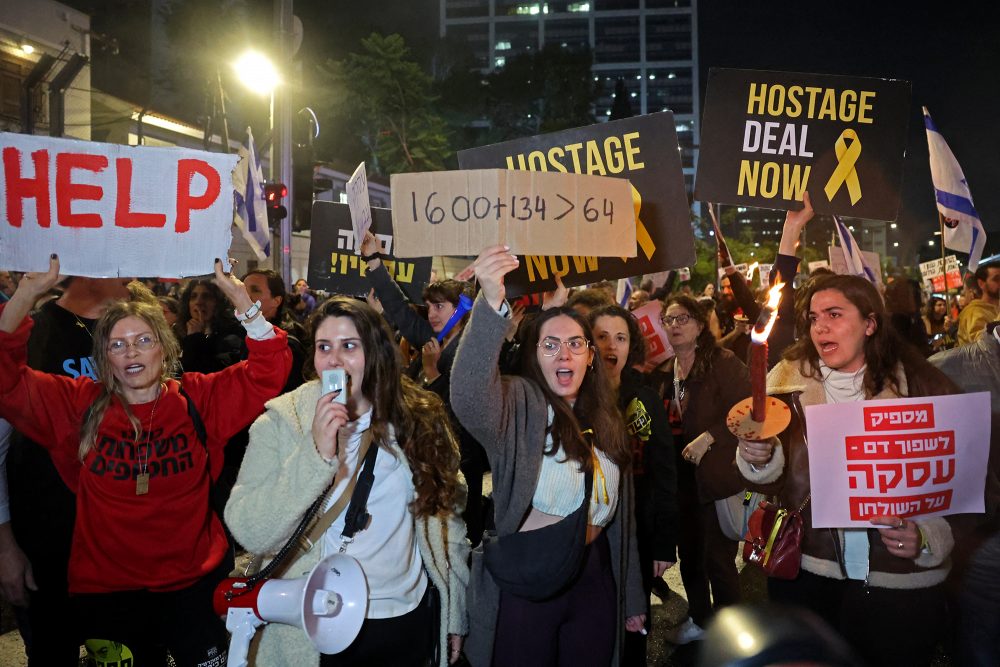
{"type": "Point", "coordinates": [641, 149]}
{"type": "Point", "coordinates": [766, 137]}
{"type": "Point", "coordinates": [335, 268]}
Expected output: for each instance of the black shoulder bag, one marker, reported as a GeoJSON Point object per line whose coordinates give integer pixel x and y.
{"type": "Point", "coordinates": [539, 564]}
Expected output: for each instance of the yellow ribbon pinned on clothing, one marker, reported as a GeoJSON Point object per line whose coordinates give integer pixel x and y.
{"type": "Point", "coordinates": [642, 236]}
{"type": "Point", "coordinates": [599, 477]}
{"type": "Point", "coordinates": [846, 172]}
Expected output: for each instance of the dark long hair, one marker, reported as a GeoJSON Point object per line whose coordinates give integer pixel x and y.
{"type": "Point", "coordinates": [594, 407]}
{"type": "Point", "coordinates": [421, 425]}
{"type": "Point", "coordinates": [705, 345]}
{"type": "Point", "coordinates": [223, 318]}
{"type": "Point", "coordinates": [884, 349]}
{"type": "Point", "coordinates": [636, 341]}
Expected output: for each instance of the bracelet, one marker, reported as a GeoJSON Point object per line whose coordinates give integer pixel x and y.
{"type": "Point", "coordinates": [374, 255]}
{"type": "Point", "coordinates": [250, 313]}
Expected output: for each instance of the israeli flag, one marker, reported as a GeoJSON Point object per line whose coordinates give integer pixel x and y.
{"type": "Point", "coordinates": [856, 264]}
{"type": "Point", "coordinates": [251, 208]}
{"type": "Point", "coordinates": [624, 292]}
{"type": "Point", "coordinates": [963, 230]}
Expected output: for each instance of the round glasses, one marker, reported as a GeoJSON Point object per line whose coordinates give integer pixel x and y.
{"type": "Point", "coordinates": [550, 345]}
{"type": "Point", "coordinates": [143, 343]}
{"type": "Point", "coordinates": [679, 319]}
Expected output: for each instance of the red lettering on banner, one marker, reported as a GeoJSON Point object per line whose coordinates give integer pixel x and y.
{"type": "Point", "coordinates": [900, 446]}
{"type": "Point", "coordinates": [864, 508]}
{"type": "Point", "coordinates": [186, 170]}
{"type": "Point", "coordinates": [19, 188]}
{"type": "Point", "coordinates": [889, 475]}
{"type": "Point", "coordinates": [893, 418]}
{"type": "Point", "coordinates": [124, 216]}
{"type": "Point", "coordinates": [67, 191]}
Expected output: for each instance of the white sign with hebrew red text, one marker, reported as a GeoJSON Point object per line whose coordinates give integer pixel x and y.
{"type": "Point", "coordinates": [905, 457]}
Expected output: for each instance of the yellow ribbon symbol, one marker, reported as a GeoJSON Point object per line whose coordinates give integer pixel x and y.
{"type": "Point", "coordinates": [642, 236]}
{"type": "Point", "coordinates": [845, 172]}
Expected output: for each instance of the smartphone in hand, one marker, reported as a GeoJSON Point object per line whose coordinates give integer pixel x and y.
{"type": "Point", "coordinates": [335, 380]}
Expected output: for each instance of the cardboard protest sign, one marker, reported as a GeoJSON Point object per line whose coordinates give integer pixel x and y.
{"type": "Point", "coordinates": [767, 137]}
{"type": "Point", "coordinates": [462, 212]}
{"type": "Point", "coordinates": [643, 150]}
{"type": "Point", "coordinates": [109, 210]}
{"type": "Point", "coordinates": [820, 264]}
{"type": "Point", "coordinates": [357, 200]}
{"type": "Point", "coordinates": [334, 265]}
{"type": "Point", "coordinates": [906, 457]}
{"type": "Point", "coordinates": [838, 263]}
{"type": "Point", "coordinates": [934, 277]}
{"type": "Point", "coordinates": [658, 348]}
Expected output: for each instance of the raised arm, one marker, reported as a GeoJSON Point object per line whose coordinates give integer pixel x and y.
{"type": "Point", "coordinates": [477, 392]}
{"type": "Point", "coordinates": [31, 287]}
{"type": "Point", "coordinates": [395, 307]}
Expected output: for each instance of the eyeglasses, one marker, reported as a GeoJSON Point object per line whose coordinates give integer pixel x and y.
{"type": "Point", "coordinates": [143, 343]}
{"type": "Point", "coordinates": [550, 345]}
{"type": "Point", "coordinates": [679, 319]}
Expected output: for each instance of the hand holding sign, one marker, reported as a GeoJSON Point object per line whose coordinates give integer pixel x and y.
{"type": "Point", "coordinates": [232, 287]}
{"type": "Point", "coordinates": [492, 264]}
{"type": "Point", "coordinates": [29, 289]}
{"type": "Point", "coordinates": [357, 201]}
{"type": "Point", "coordinates": [901, 538]}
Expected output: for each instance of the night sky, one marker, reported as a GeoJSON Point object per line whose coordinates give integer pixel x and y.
{"type": "Point", "coordinates": [950, 55]}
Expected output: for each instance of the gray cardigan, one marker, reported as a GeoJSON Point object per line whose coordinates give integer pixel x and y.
{"type": "Point", "coordinates": [508, 415]}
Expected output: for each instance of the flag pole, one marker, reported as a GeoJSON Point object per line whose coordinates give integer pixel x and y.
{"type": "Point", "coordinates": [944, 264]}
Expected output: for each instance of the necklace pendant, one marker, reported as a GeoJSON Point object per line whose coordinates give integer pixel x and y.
{"type": "Point", "coordinates": [142, 484]}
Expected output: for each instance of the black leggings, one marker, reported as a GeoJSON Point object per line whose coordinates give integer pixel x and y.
{"type": "Point", "coordinates": [886, 627]}
{"type": "Point", "coordinates": [147, 623]}
{"type": "Point", "coordinates": [575, 628]}
{"type": "Point", "coordinates": [403, 641]}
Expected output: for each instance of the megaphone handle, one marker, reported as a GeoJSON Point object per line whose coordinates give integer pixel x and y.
{"type": "Point", "coordinates": [242, 625]}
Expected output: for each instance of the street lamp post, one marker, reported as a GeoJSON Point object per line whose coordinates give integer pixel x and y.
{"type": "Point", "coordinates": [281, 128]}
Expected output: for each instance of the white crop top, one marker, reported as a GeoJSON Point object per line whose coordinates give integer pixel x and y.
{"type": "Point", "coordinates": [559, 491]}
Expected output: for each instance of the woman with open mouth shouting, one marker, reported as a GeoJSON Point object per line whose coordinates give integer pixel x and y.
{"type": "Point", "coordinates": [141, 451]}
{"type": "Point", "coordinates": [621, 346]}
{"type": "Point", "coordinates": [882, 590]}
{"type": "Point", "coordinates": [558, 581]}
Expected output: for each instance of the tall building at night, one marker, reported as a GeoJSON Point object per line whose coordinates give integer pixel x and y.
{"type": "Point", "coordinates": [651, 45]}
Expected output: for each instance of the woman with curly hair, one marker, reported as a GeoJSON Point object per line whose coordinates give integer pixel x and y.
{"type": "Point", "coordinates": [881, 588]}
{"type": "Point", "coordinates": [309, 443]}
{"type": "Point", "coordinates": [147, 549]}
{"type": "Point", "coordinates": [209, 333]}
{"type": "Point", "coordinates": [560, 459]}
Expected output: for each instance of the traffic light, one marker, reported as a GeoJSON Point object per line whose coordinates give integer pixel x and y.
{"type": "Point", "coordinates": [274, 194]}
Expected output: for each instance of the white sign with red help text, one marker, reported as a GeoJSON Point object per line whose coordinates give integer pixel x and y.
{"type": "Point", "coordinates": [658, 348]}
{"type": "Point", "coordinates": [109, 210]}
{"type": "Point", "coordinates": [905, 457]}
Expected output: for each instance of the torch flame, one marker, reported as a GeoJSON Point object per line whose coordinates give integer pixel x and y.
{"type": "Point", "coordinates": [771, 309]}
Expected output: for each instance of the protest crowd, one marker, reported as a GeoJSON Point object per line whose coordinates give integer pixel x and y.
{"type": "Point", "coordinates": [607, 468]}
{"type": "Point", "coordinates": [232, 469]}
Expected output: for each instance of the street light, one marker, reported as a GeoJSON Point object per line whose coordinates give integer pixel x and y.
{"type": "Point", "coordinates": [256, 72]}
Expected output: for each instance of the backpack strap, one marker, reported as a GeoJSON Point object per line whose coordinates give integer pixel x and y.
{"type": "Point", "coordinates": [199, 424]}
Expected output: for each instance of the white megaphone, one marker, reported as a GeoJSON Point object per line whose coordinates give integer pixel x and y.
{"type": "Point", "coordinates": [329, 604]}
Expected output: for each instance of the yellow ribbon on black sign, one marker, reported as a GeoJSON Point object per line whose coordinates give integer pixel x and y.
{"type": "Point", "coordinates": [847, 157]}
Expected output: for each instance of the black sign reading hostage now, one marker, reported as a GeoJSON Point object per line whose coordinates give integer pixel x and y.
{"type": "Point", "coordinates": [766, 137]}
{"type": "Point", "coordinates": [333, 266]}
{"type": "Point", "coordinates": [641, 149]}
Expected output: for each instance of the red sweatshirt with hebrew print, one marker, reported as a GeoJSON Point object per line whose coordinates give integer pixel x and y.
{"type": "Point", "coordinates": [168, 538]}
